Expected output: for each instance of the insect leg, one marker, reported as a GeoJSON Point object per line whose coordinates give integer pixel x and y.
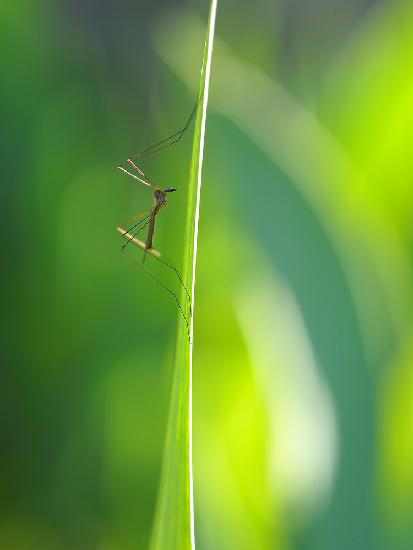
{"type": "Point", "coordinates": [167, 142]}
{"type": "Point", "coordinates": [166, 288]}
{"type": "Point", "coordinates": [134, 176]}
{"type": "Point", "coordinates": [163, 261]}
{"type": "Point", "coordinates": [136, 168]}
{"type": "Point", "coordinates": [137, 217]}
{"type": "Point", "coordinates": [134, 235]}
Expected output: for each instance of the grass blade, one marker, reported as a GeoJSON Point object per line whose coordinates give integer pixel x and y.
{"type": "Point", "coordinates": [174, 521]}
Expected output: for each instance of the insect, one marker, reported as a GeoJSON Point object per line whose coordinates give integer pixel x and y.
{"type": "Point", "coordinates": [148, 218]}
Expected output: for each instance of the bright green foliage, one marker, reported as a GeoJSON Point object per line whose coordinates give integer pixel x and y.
{"type": "Point", "coordinates": [302, 381]}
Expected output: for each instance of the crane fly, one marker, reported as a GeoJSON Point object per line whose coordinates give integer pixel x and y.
{"type": "Point", "coordinates": [148, 218]}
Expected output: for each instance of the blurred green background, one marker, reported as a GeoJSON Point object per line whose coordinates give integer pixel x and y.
{"type": "Point", "coordinates": [303, 386]}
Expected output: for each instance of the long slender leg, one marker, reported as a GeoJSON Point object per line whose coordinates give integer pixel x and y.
{"type": "Point", "coordinates": [141, 180]}
{"type": "Point", "coordinates": [141, 217]}
{"type": "Point", "coordinates": [134, 235]}
{"type": "Point", "coordinates": [138, 243]}
{"type": "Point", "coordinates": [171, 140]}
{"type": "Point", "coordinates": [154, 253]}
{"type": "Point", "coordinates": [130, 161]}
{"type": "Point", "coordinates": [136, 168]}
{"type": "Point", "coordinates": [166, 288]}
{"type": "Point", "coordinates": [162, 260]}
{"type": "Point", "coordinates": [137, 217]}
{"type": "Point", "coordinates": [131, 238]}
{"type": "Point", "coordinates": [167, 142]}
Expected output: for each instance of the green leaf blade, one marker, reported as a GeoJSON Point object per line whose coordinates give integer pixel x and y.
{"type": "Point", "coordinates": [174, 521]}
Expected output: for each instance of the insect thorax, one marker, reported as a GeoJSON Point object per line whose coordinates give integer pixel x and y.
{"type": "Point", "coordinates": [160, 196]}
